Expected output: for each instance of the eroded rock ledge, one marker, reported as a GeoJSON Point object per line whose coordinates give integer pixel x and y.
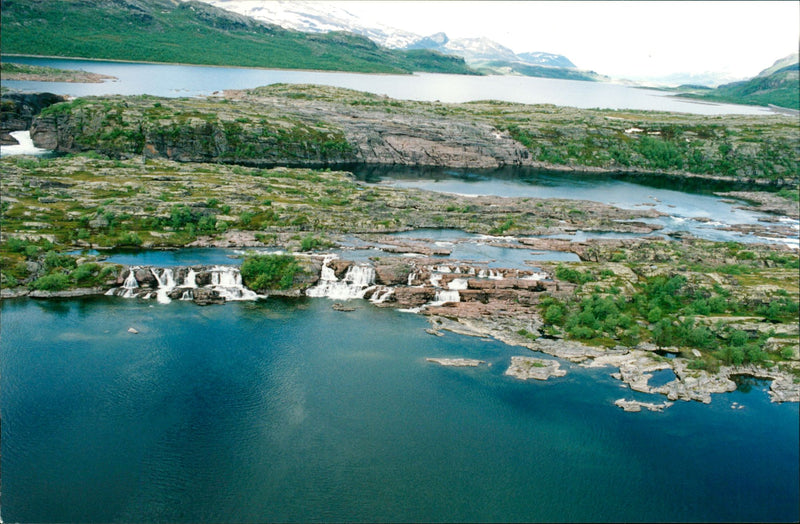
{"type": "Point", "coordinates": [525, 368]}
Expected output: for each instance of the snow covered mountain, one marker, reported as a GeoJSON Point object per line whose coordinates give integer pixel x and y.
{"type": "Point", "coordinates": [318, 17]}
{"type": "Point", "coordinates": [546, 59]}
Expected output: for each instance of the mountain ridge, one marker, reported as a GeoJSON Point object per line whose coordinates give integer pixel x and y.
{"type": "Point", "coordinates": [311, 17]}
{"type": "Point", "coordinates": [194, 32]}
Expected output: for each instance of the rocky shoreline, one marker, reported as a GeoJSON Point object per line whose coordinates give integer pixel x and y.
{"type": "Point", "coordinates": [455, 296]}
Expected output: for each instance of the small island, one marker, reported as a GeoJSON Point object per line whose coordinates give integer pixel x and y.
{"type": "Point", "coordinates": [11, 71]}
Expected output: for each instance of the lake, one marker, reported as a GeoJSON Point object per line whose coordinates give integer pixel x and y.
{"type": "Point", "coordinates": [286, 410]}
{"type": "Point", "coordinates": [184, 80]}
{"type": "Point", "coordinates": [692, 209]}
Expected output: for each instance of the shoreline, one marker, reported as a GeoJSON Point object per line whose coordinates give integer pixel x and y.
{"type": "Point", "coordinates": [496, 319]}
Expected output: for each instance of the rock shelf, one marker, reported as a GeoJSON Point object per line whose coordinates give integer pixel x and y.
{"type": "Point", "coordinates": [525, 368]}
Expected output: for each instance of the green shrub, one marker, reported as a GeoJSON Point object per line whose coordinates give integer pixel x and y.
{"type": "Point", "coordinates": [261, 272]}
{"type": "Point", "coordinates": [51, 282]}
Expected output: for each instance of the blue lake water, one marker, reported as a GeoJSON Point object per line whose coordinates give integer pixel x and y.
{"type": "Point", "coordinates": [693, 210]}
{"type": "Point", "coordinates": [184, 80]}
{"type": "Point", "coordinates": [291, 411]}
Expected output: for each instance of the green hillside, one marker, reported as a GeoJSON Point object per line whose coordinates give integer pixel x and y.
{"type": "Point", "coordinates": [563, 73]}
{"type": "Point", "coordinates": [194, 33]}
{"type": "Point", "coordinates": [779, 85]}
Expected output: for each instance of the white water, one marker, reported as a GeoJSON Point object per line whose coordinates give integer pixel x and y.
{"type": "Point", "coordinates": [444, 296]}
{"type": "Point", "coordinates": [128, 287]}
{"type": "Point", "coordinates": [457, 284]}
{"type": "Point", "coordinates": [166, 283]}
{"type": "Point", "coordinates": [356, 282]}
{"type": "Point", "coordinates": [227, 281]}
{"type": "Point", "coordinates": [191, 279]}
{"type": "Point", "coordinates": [25, 146]}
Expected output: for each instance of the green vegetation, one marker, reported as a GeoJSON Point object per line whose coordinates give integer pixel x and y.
{"type": "Point", "coordinates": [262, 272]}
{"type": "Point", "coordinates": [501, 67]}
{"type": "Point", "coordinates": [775, 86]}
{"type": "Point", "coordinates": [195, 33]}
{"type": "Point", "coordinates": [12, 71]}
{"type": "Point", "coordinates": [686, 308]}
{"type": "Point", "coordinates": [271, 125]}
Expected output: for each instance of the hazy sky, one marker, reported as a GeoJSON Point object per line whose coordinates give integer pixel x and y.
{"type": "Point", "coordinates": [622, 38]}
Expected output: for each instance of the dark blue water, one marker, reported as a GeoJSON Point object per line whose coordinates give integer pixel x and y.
{"type": "Point", "coordinates": [184, 80]}
{"type": "Point", "coordinates": [290, 411]}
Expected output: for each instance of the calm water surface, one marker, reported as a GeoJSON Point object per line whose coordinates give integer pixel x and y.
{"type": "Point", "coordinates": [182, 80]}
{"type": "Point", "coordinates": [692, 210]}
{"type": "Point", "coordinates": [290, 411]}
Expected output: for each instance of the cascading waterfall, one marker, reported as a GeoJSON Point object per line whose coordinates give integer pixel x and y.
{"type": "Point", "coordinates": [357, 281]}
{"type": "Point", "coordinates": [381, 295]}
{"type": "Point", "coordinates": [191, 278]}
{"type": "Point", "coordinates": [457, 284]}
{"type": "Point", "coordinates": [128, 287]}
{"type": "Point", "coordinates": [189, 282]}
{"type": "Point", "coordinates": [445, 295]}
{"type": "Point", "coordinates": [227, 281]}
{"type": "Point", "coordinates": [491, 274]}
{"type": "Point", "coordinates": [166, 283]}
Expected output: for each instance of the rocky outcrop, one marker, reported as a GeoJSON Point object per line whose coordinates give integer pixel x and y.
{"type": "Point", "coordinates": [635, 406]}
{"type": "Point", "coordinates": [457, 362]}
{"type": "Point", "coordinates": [67, 293]}
{"type": "Point", "coordinates": [298, 132]}
{"type": "Point", "coordinates": [17, 111]}
{"type": "Point", "coordinates": [525, 368]}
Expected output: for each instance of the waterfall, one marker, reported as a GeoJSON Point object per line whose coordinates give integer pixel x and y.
{"type": "Point", "coordinates": [128, 287]}
{"type": "Point", "coordinates": [356, 282]}
{"type": "Point", "coordinates": [457, 284]}
{"type": "Point", "coordinates": [227, 281]}
{"type": "Point", "coordinates": [490, 274]}
{"type": "Point", "coordinates": [166, 283]}
{"type": "Point", "coordinates": [536, 276]}
{"type": "Point", "coordinates": [443, 296]}
{"type": "Point", "coordinates": [24, 145]}
{"type": "Point", "coordinates": [381, 294]}
{"type": "Point", "coordinates": [191, 279]}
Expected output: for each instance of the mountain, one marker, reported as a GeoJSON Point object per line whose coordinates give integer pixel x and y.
{"type": "Point", "coordinates": [546, 59]}
{"type": "Point", "coordinates": [196, 33]}
{"type": "Point", "coordinates": [501, 67]}
{"type": "Point", "coordinates": [777, 85]}
{"type": "Point", "coordinates": [316, 17]}
{"type": "Point", "coordinates": [321, 17]}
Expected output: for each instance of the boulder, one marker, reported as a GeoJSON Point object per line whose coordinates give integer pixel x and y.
{"type": "Point", "coordinates": [205, 297]}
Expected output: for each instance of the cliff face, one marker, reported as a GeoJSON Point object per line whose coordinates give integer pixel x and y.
{"type": "Point", "coordinates": [306, 125]}
{"type": "Point", "coordinates": [264, 128]}
{"type": "Point", "coordinates": [19, 109]}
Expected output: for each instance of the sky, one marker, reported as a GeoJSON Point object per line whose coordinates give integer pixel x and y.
{"type": "Point", "coordinates": [623, 39]}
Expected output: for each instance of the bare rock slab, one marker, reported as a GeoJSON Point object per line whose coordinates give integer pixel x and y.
{"type": "Point", "coordinates": [525, 368]}
{"type": "Point", "coordinates": [635, 406]}
{"type": "Point", "coordinates": [457, 362]}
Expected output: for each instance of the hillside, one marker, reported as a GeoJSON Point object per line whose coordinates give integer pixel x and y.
{"type": "Point", "coordinates": [778, 85]}
{"type": "Point", "coordinates": [196, 33]}
{"type": "Point", "coordinates": [500, 67]}
{"type": "Point", "coordinates": [314, 125]}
